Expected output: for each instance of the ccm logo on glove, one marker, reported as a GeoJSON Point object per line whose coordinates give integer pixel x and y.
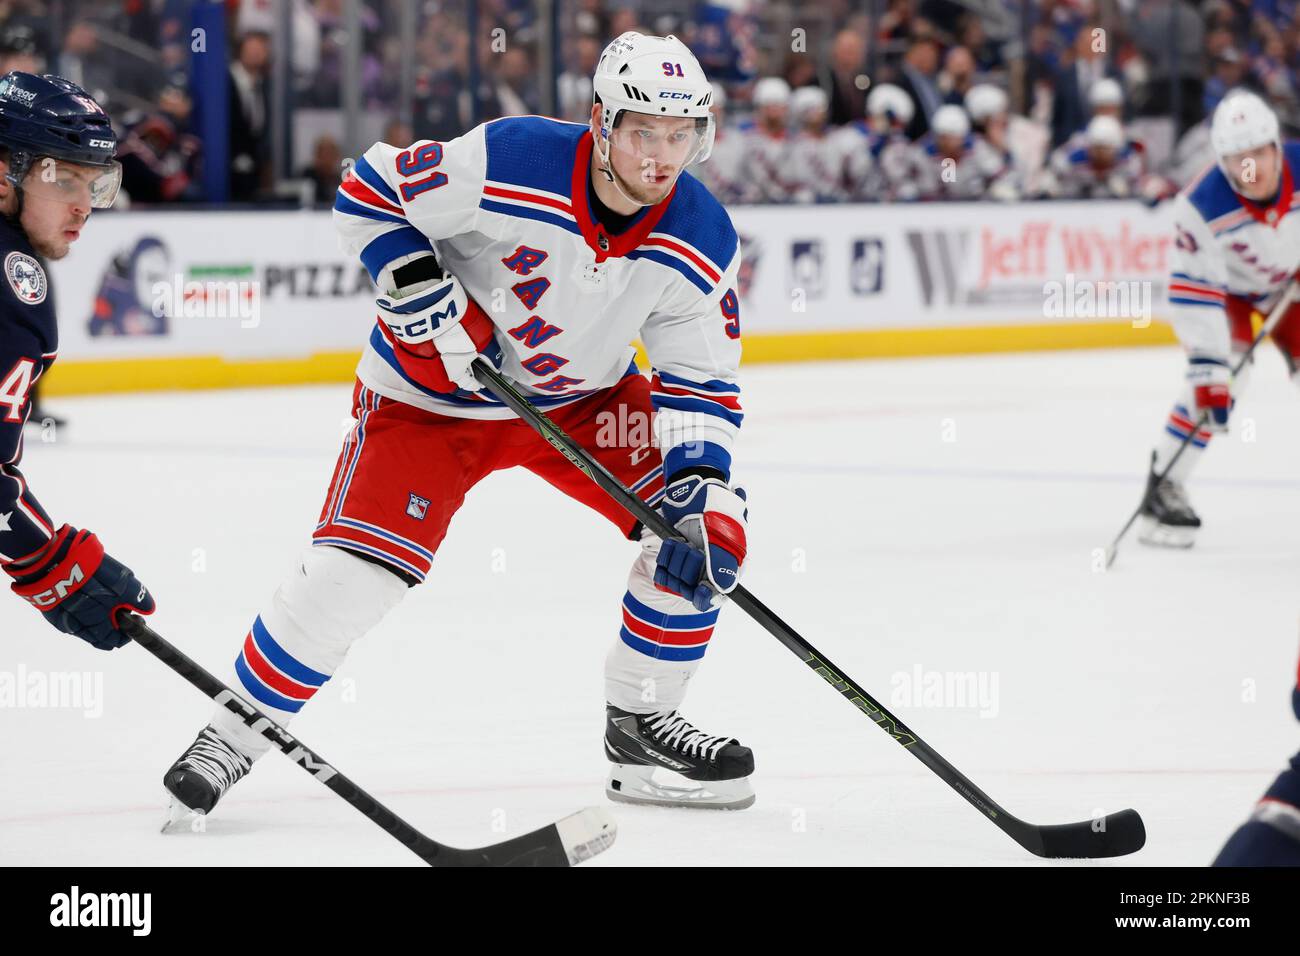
{"type": "Point", "coordinates": [711, 517]}
{"type": "Point", "coordinates": [80, 589]}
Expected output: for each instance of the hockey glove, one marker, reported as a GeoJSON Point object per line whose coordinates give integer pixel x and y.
{"type": "Point", "coordinates": [437, 333]}
{"type": "Point", "coordinates": [1210, 379]}
{"type": "Point", "coordinates": [712, 518]}
{"type": "Point", "coordinates": [79, 588]}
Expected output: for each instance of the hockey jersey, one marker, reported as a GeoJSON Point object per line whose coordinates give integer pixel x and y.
{"type": "Point", "coordinates": [1076, 178]}
{"type": "Point", "coordinates": [820, 165]}
{"type": "Point", "coordinates": [506, 209]}
{"type": "Point", "coordinates": [721, 172]}
{"type": "Point", "coordinates": [765, 166]}
{"type": "Point", "coordinates": [1226, 245]}
{"type": "Point", "coordinates": [29, 341]}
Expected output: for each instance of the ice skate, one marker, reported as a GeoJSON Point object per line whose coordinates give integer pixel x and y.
{"type": "Point", "coordinates": [660, 759]}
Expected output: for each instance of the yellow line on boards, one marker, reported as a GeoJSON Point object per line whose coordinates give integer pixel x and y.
{"type": "Point", "coordinates": [73, 377]}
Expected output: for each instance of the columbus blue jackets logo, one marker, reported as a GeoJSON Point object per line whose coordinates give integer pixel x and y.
{"type": "Point", "coordinates": [417, 506]}
{"type": "Point", "coordinates": [26, 278]}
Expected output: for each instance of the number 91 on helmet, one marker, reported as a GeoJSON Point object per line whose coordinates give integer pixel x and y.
{"type": "Point", "coordinates": [654, 120]}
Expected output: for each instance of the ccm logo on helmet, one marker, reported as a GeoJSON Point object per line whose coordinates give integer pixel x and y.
{"type": "Point", "coordinates": [102, 143]}
{"type": "Point", "coordinates": [60, 590]}
{"type": "Point", "coordinates": [674, 95]}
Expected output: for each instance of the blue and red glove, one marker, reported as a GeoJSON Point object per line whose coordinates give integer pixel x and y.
{"type": "Point", "coordinates": [437, 333]}
{"type": "Point", "coordinates": [712, 517]}
{"type": "Point", "coordinates": [1211, 381]}
{"type": "Point", "coordinates": [79, 588]}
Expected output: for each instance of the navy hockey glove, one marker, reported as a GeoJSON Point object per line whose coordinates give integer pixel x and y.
{"type": "Point", "coordinates": [79, 588]}
{"type": "Point", "coordinates": [712, 518]}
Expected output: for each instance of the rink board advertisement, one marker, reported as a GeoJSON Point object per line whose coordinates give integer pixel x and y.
{"type": "Point", "coordinates": [209, 299]}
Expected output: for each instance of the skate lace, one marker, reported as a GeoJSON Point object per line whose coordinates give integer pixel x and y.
{"type": "Point", "coordinates": [673, 730]}
{"type": "Point", "coordinates": [215, 762]}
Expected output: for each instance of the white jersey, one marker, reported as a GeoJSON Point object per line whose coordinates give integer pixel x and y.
{"type": "Point", "coordinates": [1224, 245]}
{"type": "Point", "coordinates": [721, 173]}
{"type": "Point", "coordinates": [905, 169]}
{"type": "Point", "coordinates": [819, 166]}
{"type": "Point", "coordinates": [765, 164]}
{"type": "Point", "coordinates": [876, 164]}
{"type": "Point", "coordinates": [965, 176]}
{"type": "Point", "coordinates": [1076, 178]}
{"type": "Point", "coordinates": [506, 210]}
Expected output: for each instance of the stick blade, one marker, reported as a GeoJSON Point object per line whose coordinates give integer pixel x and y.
{"type": "Point", "coordinates": [568, 842]}
{"type": "Point", "coordinates": [1116, 834]}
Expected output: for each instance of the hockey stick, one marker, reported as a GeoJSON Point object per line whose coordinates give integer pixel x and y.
{"type": "Point", "coordinates": [576, 838]}
{"type": "Point", "coordinates": [1274, 317]}
{"type": "Point", "coordinates": [1116, 834]}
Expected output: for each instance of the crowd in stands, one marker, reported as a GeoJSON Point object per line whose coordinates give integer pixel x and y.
{"type": "Point", "coordinates": [815, 102]}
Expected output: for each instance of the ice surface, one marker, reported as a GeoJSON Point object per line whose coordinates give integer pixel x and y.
{"type": "Point", "coordinates": [940, 515]}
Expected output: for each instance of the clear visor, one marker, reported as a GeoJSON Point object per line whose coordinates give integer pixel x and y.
{"type": "Point", "coordinates": [91, 187]}
{"type": "Point", "coordinates": [662, 146]}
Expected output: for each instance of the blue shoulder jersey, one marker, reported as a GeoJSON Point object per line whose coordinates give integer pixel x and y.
{"type": "Point", "coordinates": [29, 341]}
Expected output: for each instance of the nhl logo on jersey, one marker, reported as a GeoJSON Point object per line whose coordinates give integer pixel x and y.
{"type": "Point", "coordinates": [417, 506]}
{"type": "Point", "coordinates": [26, 278]}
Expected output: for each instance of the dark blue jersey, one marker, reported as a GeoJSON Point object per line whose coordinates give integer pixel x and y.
{"type": "Point", "coordinates": [29, 341]}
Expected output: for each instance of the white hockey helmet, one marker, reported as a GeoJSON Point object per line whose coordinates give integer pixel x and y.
{"type": "Point", "coordinates": [807, 100]}
{"type": "Point", "coordinates": [1106, 92]}
{"type": "Point", "coordinates": [984, 100]}
{"type": "Point", "coordinates": [657, 76]}
{"type": "Point", "coordinates": [771, 91]}
{"type": "Point", "coordinates": [892, 102]}
{"type": "Point", "coordinates": [1242, 121]}
{"type": "Point", "coordinates": [1104, 131]}
{"type": "Point", "coordinates": [950, 120]}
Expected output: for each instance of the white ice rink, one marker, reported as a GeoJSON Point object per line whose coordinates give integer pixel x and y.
{"type": "Point", "coordinates": [907, 516]}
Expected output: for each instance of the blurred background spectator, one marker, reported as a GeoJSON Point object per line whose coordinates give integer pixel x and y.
{"type": "Point", "coordinates": [312, 81]}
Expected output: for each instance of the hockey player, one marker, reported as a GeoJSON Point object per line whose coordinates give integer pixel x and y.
{"type": "Point", "coordinates": [951, 166]}
{"type": "Point", "coordinates": [721, 175]}
{"type": "Point", "coordinates": [764, 169]}
{"type": "Point", "coordinates": [987, 107]}
{"type": "Point", "coordinates": [1237, 245]}
{"type": "Point", "coordinates": [879, 143]}
{"type": "Point", "coordinates": [819, 155]}
{"type": "Point", "coordinates": [1107, 166]}
{"type": "Point", "coordinates": [56, 165]}
{"type": "Point", "coordinates": [577, 238]}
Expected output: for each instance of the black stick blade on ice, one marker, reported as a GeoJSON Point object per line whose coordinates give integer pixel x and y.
{"type": "Point", "coordinates": [568, 842]}
{"type": "Point", "coordinates": [1116, 834]}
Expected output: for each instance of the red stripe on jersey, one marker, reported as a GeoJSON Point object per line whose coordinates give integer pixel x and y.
{"type": "Point", "coordinates": [1187, 288]}
{"type": "Point", "coordinates": [359, 191]}
{"type": "Point", "coordinates": [528, 197]}
{"type": "Point", "coordinates": [726, 399]}
{"type": "Point", "coordinates": [681, 250]}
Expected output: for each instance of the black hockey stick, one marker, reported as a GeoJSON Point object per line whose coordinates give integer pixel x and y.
{"type": "Point", "coordinates": [568, 842]}
{"type": "Point", "coordinates": [1116, 834]}
{"type": "Point", "coordinates": [1274, 317]}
